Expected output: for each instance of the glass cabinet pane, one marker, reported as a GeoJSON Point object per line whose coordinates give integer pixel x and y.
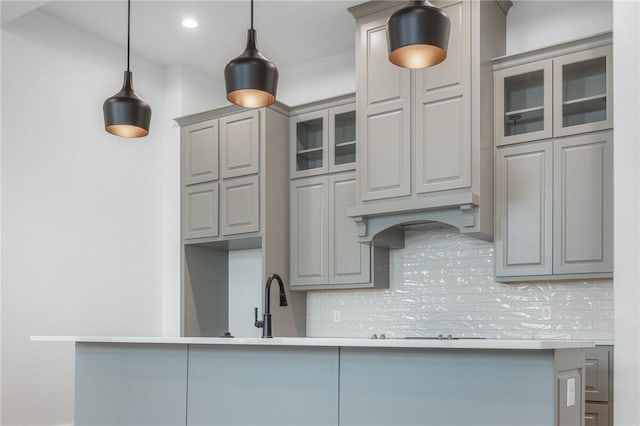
{"type": "Point", "coordinates": [584, 92]}
{"type": "Point", "coordinates": [309, 147]}
{"type": "Point", "coordinates": [524, 103]}
{"type": "Point", "coordinates": [345, 138]}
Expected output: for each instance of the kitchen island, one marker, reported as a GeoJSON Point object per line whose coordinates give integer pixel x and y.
{"type": "Point", "coordinates": [327, 381]}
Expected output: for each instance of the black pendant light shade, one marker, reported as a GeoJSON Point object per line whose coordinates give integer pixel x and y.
{"type": "Point", "coordinates": [251, 79]}
{"type": "Point", "coordinates": [418, 35]}
{"type": "Point", "coordinates": [126, 114]}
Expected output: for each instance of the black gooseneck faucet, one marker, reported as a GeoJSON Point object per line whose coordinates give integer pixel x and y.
{"type": "Point", "coordinates": [265, 323]}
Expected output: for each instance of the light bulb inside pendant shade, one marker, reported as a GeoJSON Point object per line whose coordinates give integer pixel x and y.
{"type": "Point", "coordinates": [126, 114]}
{"type": "Point", "coordinates": [251, 79]}
{"type": "Point", "coordinates": [418, 35]}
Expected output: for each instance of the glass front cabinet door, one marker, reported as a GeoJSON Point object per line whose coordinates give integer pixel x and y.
{"type": "Point", "coordinates": [582, 89]}
{"type": "Point", "coordinates": [342, 138]}
{"type": "Point", "coordinates": [309, 134]}
{"type": "Point", "coordinates": [523, 96]}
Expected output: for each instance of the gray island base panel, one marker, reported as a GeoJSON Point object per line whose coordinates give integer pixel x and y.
{"type": "Point", "coordinates": [327, 382]}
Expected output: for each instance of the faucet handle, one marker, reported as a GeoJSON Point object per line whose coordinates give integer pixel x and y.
{"type": "Point", "coordinates": [257, 323]}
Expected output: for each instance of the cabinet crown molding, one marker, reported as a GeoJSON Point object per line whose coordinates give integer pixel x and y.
{"type": "Point", "coordinates": [549, 52]}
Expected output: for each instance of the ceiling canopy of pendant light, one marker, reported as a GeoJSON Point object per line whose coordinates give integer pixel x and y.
{"type": "Point", "coordinates": [418, 35]}
{"type": "Point", "coordinates": [251, 79]}
{"type": "Point", "coordinates": [125, 113]}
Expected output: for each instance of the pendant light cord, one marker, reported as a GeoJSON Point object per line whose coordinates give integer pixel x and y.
{"type": "Point", "coordinates": [128, 32]}
{"type": "Point", "coordinates": [251, 14]}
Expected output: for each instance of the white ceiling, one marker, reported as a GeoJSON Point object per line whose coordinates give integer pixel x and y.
{"type": "Point", "coordinates": [289, 32]}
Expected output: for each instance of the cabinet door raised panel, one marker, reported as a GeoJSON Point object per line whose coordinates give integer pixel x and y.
{"type": "Point", "coordinates": [443, 111]}
{"type": "Point", "coordinates": [384, 127]}
{"type": "Point", "coordinates": [240, 203]}
{"type": "Point", "coordinates": [309, 231]}
{"type": "Point", "coordinates": [240, 144]}
{"type": "Point", "coordinates": [523, 239]}
{"type": "Point", "coordinates": [583, 200]}
{"type": "Point", "coordinates": [349, 260]}
{"type": "Point", "coordinates": [200, 152]}
{"type": "Point", "coordinates": [200, 210]}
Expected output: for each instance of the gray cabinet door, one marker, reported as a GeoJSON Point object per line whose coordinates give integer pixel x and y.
{"type": "Point", "coordinates": [523, 234]}
{"type": "Point", "coordinates": [523, 103]}
{"type": "Point", "coordinates": [582, 92]}
{"type": "Point", "coordinates": [583, 200]}
{"type": "Point", "coordinates": [240, 205]}
{"type": "Point", "coordinates": [200, 152]}
{"type": "Point", "coordinates": [130, 384]}
{"type": "Point", "coordinates": [240, 144]}
{"type": "Point", "coordinates": [200, 210]}
{"type": "Point", "coordinates": [597, 369]}
{"type": "Point", "coordinates": [384, 160]}
{"type": "Point", "coordinates": [262, 386]}
{"type": "Point", "coordinates": [308, 153]}
{"type": "Point", "coordinates": [342, 142]}
{"type": "Point", "coordinates": [443, 111]}
{"type": "Point", "coordinates": [349, 261]}
{"type": "Point", "coordinates": [309, 231]}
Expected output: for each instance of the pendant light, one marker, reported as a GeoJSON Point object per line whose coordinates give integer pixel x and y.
{"type": "Point", "coordinates": [418, 35]}
{"type": "Point", "coordinates": [251, 79]}
{"type": "Point", "coordinates": [125, 113]}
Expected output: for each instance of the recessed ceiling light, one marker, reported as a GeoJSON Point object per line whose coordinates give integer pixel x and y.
{"type": "Point", "coordinates": [189, 23]}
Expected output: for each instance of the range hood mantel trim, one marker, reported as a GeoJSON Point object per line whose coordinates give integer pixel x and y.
{"type": "Point", "coordinates": [384, 229]}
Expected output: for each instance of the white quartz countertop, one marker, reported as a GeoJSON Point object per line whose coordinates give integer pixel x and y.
{"type": "Point", "coordinates": [502, 344]}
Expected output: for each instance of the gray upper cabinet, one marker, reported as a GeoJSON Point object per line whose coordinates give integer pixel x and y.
{"type": "Point", "coordinates": [240, 202]}
{"type": "Point", "coordinates": [384, 108]}
{"type": "Point", "coordinates": [232, 205]}
{"type": "Point", "coordinates": [240, 144]}
{"type": "Point", "coordinates": [309, 151]}
{"type": "Point", "coordinates": [200, 207]}
{"type": "Point", "coordinates": [424, 135]}
{"type": "Point", "coordinates": [323, 138]}
{"type": "Point", "coordinates": [324, 250]}
{"type": "Point", "coordinates": [555, 91]}
{"type": "Point", "coordinates": [342, 138]}
{"type": "Point", "coordinates": [200, 152]}
{"type": "Point", "coordinates": [523, 98]}
{"type": "Point", "coordinates": [309, 219]}
{"type": "Point", "coordinates": [562, 94]}
{"type": "Point", "coordinates": [443, 112]}
{"type": "Point", "coordinates": [582, 87]}
{"type": "Point", "coordinates": [554, 205]}
{"type": "Point", "coordinates": [583, 203]}
{"type": "Point", "coordinates": [349, 260]}
{"type": "Point", "coordinates": [523, 237]}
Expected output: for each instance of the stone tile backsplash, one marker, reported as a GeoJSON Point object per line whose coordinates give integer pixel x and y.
{"type": "Point", "coordinates": [442, 282]}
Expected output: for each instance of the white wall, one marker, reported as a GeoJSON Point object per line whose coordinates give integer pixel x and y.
{"type": "Point", "coordinates": [626, 48]}
{"type": "Point", "coordinates": [186, 91]}
{"type": "Point", "coordinates": [539, 23]}
{"type": "Point", "coordinates": [82, 214]}
{"type": "Point", "coordinates": [321, 79]}
{"type": "Point", "coordinates": [245, 291]}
